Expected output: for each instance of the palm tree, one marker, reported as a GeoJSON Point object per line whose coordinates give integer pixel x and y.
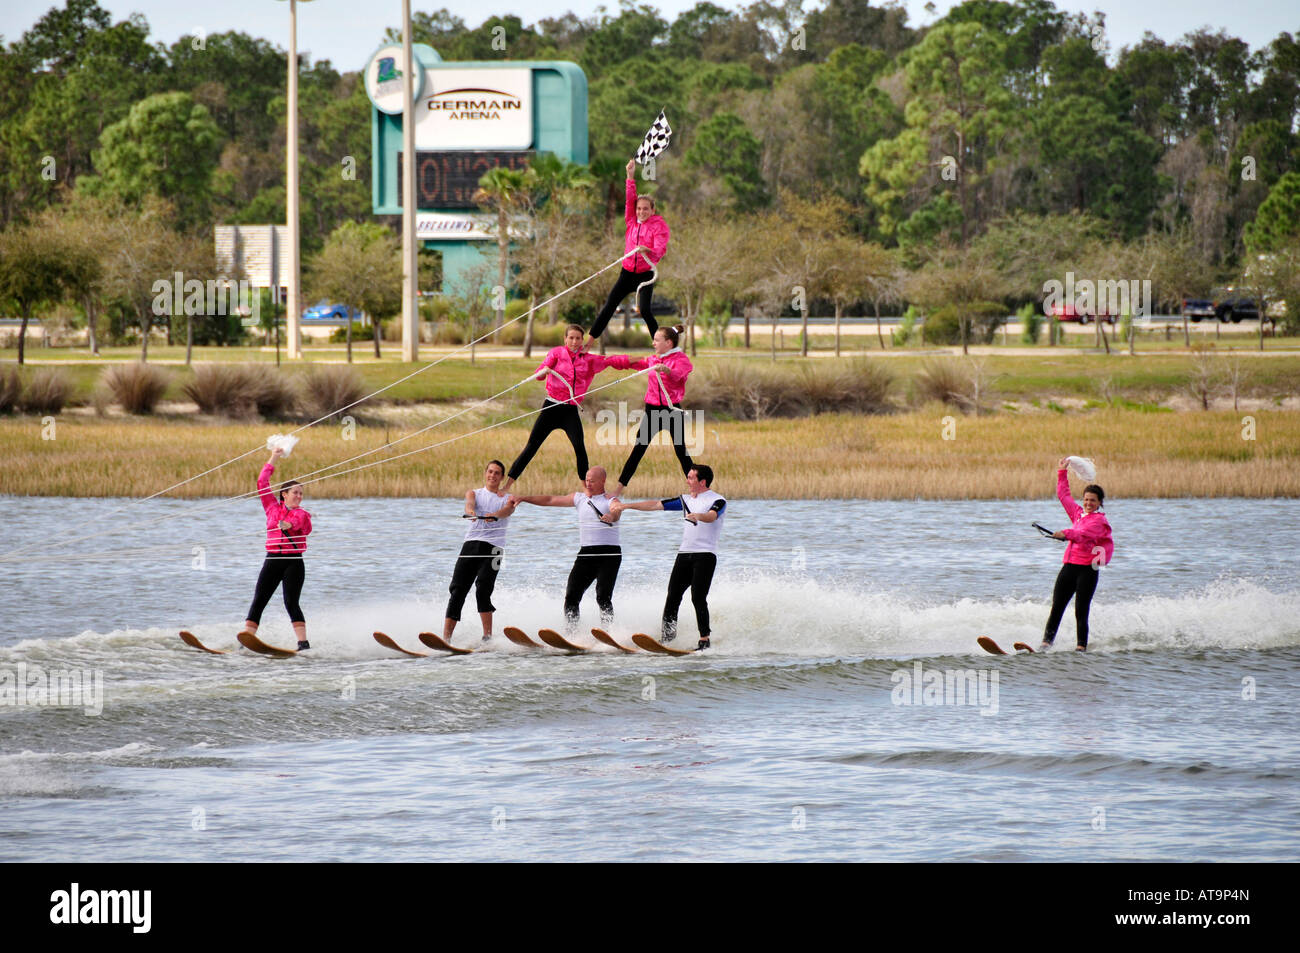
{"type": "Point", "coordinates": [505, 191]}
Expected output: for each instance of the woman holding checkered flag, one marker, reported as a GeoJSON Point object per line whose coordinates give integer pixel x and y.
{"type": "Point", "coordinates": [645, 243]}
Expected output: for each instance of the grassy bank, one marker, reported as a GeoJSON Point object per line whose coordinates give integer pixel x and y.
{"type": "Point", "coordinates": [834, 456]}
{"type": "Point", "coordinates": [1149, 378]}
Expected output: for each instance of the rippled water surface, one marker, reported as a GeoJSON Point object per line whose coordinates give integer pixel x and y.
{"type": "Point", "coordinates": [824, 724]}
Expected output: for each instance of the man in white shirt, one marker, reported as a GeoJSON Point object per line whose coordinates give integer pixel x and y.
{"type": "Point", "coordinates": [599, 552]}
{"type": "Point", "coordinates": [697, 557]}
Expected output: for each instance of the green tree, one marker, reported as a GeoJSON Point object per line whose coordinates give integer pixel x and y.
{"type": "Point", "coordinates": [143, 248]}
{"type": "Point", "coordinates": [360, 265]}
{"type": "Point", "coordinates": [964, 280]}
{"type": "Point", "coordinates": [167, 146]}
{"type": "Point", "coordinates": [726, 149]}
{"type": "Point", "coordinates": [959, 105]}
{"type": "Point", "coordinates": [1278, 218]}
{"type": "Point", "coordinates": [842, 22]}
{"type": "Point", "coordinates": [236, 77]}
{"type": "Point", "coordinates": [860, 271]}
{"type": "Point", "coordinates": [625, 100]}
{"type": "Point", "coordinates": [633, 33]}
{"type": "Point", "coordinates": [695, 28]}
{"type": "Point", "coordinates": [1108, 167]}
{"type": "Point", "coordinates": [705, 259]}
{"type": "Point", "coordinates": [1154, 75]}
{"type": "Point", "coordinates": [36, 268]}
{"type": "Point", "coordinates": [503, 191]}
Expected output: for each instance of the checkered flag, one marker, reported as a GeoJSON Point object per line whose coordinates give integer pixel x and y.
{"type": "Point", "coordinates": [656, 140]}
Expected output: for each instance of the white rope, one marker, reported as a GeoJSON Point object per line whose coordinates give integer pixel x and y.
{"type": "Point", "coordinates": [57, 541]}
{"type": "Point", "coordinates": [572, 396]}
{"type": "Point", "coordinates": [472, 433]}
{"type": "Point", "coordinates": [203, 507]}
{"type": "Point", "coordinates": [654, 276]}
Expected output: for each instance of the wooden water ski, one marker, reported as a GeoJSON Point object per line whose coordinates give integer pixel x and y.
{"type": "Point", "coordinates": [192, 640]}
{"type": "Point", "coordinates": [520, 637]}
{"type": "Point", "coordinates": [557, 641]}
{"type": "Point", "coordinates": [643, 641]}
{"type": "Point", "coordinates": [603, 637]}
{"type": "Point", "coordinates": [442, 645]}
{"type": "Point", "coordinates": [1024, 647]}
{"type": "Point", "coordinates": [250, 641]}
{"type": "Point", "coordinates": [988, 645]}
{"type": "Point", "coordinates": [388, 643]}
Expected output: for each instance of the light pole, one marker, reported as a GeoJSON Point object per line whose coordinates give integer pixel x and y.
{"type": "Point", "coordinates": [410, 272]}
{"type": "Point", "coordinates": [293, 275]}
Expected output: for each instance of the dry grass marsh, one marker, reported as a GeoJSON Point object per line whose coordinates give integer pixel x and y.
{"type": "Point", "coordinates": [929, 453]}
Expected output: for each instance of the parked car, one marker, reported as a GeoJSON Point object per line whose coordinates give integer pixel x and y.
{"type": "Point", "coordinates": [1233, 306]}
{"type": "Point", "coordinates": [1066, 312]}
{"type": "Point", "coordinates": [324, 311]}
{"type": "Point", "coordinates": [1225, 304]}
{"type": "Point", "coordinates": [1194, 309]}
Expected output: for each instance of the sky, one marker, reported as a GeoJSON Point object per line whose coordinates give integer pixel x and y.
{"type": "Point", "coordinates": [346, 33]}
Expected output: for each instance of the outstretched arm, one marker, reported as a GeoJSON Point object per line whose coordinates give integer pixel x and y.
{"type": "Point", "coordinates": [264, 480]}
{"type": "Point", "coordinates": [543, 500]}
{"type": "Point", "coordinates": [1072, 509]}
{"type": "Point", "coordinates": [618, 506]}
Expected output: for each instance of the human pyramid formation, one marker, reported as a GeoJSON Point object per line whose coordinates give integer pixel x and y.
{"type": "Point", "coordinates": [568, 371]}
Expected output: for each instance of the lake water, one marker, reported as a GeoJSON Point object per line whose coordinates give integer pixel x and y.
{"type": "Point", "coordinates": [805, 733]}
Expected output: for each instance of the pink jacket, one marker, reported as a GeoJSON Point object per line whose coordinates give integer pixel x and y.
{"type": "Point", "coordinates": [1090, 530]}
{"type": "Point", "coordinates": [677, 367]}
{"type": "Point", "coordinates": [653, 233]}
{"type": "Point", "coordinates": [577, 371]}
{"type": "Point", "coordinates": [277, 540]}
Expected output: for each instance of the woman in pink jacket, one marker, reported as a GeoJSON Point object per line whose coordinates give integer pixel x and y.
{"type": "Point", "coordinates": [645, 228]}
{"type": "Point", "coordinates": [1090, 547]}
{"type": "Point", "coordinates": [669, 367]}
{"type": "Point", "coordinates": [287, 528]}
{"type": "Point", "coordinates": [568, 371]}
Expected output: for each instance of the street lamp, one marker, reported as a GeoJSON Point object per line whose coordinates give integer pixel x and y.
{"type": "Point", "coordinates": [410, 272]}
{"type": "Point", "coordinates": [293, 276]}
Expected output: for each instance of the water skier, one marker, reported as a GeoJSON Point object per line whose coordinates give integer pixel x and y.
{"type": "Point", "coordinates": [599, 553]}
{"type": "Point", "coordinates": [1090, 547]}
{"type": "Point", "coordinates": [569, 371]}
{"type": "Point", "coordinates": [647, 229]}
{"type": "Point", "coordinates": [479, 561]}
{"type": "Point", "coordinates": [287, 528]}
{"type": "Point", "coordinates": [697, 557]}
{"type": "Point", "coordinates": [669, 367]}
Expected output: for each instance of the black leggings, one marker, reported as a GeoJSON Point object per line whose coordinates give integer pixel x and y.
{"type": "Point", "coordinates": [594, 563]}
{"type": "Point", "coordinates": [477, 566]}
{"type": "Point", "coordinates": [656, 419]}
{"type": "Point", "coordinates": [554, 416]}
{"type": "Point", "coordinates": [276, 570]}
{"type": "Point", "coordinates": [626, 284]}
{"type": "Point", "coordinates": [1075, 580]}
{"type": "Point", "coordinates": [692, 571]}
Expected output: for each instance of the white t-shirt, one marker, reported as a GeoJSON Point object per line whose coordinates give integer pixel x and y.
{"type": "Point", "coordinates": [699, 537]}
{"type": "Point", "coordinates": [494, 532]}
{"type": "Point", "coordinates": [591, 531]}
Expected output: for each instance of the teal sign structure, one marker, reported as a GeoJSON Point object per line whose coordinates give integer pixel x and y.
{"type": "Point", "coordinates": [470, 116]}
